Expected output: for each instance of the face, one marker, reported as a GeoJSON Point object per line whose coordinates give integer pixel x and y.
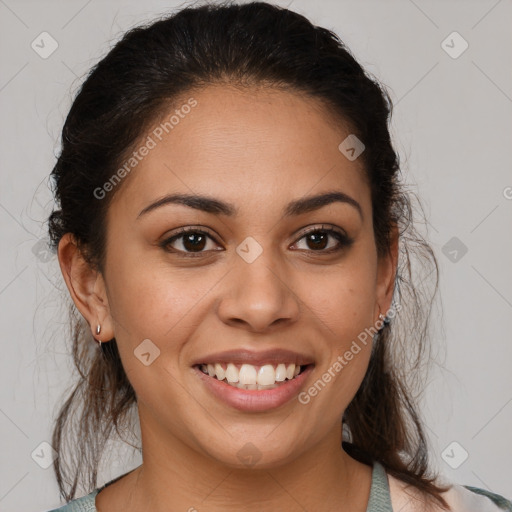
{"type": "Point", "coordinates": [264, 277]}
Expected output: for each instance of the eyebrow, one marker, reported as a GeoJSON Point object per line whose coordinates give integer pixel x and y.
{"type": "Point", "coordinates": [218, 207]}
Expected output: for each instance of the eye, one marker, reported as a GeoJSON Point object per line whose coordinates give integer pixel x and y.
{"type": "Point", "coordinates": [318, 238]}
{"type": "Point", "coordinates": [193, 241]}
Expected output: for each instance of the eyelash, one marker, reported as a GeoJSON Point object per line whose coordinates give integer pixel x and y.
{"type": "Point", "coordinates": [344, 240]}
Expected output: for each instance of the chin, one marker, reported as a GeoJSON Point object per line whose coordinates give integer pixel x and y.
{"type": "Point", "coordinates": [254, 452]}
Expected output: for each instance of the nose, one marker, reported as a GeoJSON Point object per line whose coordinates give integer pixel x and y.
{"type": "Point", "coordinates": [258, 296]}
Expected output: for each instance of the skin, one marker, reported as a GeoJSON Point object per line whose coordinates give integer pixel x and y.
{"type": "Point", "coordinates": [258, 149]}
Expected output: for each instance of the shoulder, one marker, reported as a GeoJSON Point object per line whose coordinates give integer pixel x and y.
{"type": "Point", "coordinates": [84, 504]}
{"type": "Point", "coordinates": [88, 503]}
{"type": "Point", "coordinates": [460, 499]}
{"type": "Point", "coordinates": [502, 502]}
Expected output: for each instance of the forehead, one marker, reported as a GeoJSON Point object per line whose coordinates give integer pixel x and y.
{"type": "Point", "coordinates": [251, 147]}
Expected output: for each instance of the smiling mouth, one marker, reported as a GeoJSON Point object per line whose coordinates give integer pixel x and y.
{"type": "Point", "coordinates": [248, 376]}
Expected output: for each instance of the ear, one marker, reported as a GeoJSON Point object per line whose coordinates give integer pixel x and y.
{"type": "Point", "coordinates": [386, 274]}
{"type": "Point", "coordinates": [86, 287]}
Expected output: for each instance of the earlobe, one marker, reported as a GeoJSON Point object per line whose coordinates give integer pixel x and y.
{"type": "Point", "coordinates": [86, 287]}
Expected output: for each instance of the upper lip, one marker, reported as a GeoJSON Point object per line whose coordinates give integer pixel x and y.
{"type": "Point", "coordinates": [256, 358]}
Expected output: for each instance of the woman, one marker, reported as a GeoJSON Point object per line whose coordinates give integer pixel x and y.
{"type": "Point", "coordinates": [233, 231]}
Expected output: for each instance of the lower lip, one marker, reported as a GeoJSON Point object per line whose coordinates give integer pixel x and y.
{"type": "Point", "coordinates": [253, 400]}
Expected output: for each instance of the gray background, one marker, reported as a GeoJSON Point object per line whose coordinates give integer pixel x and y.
{"type": "Point", "coordinates": [452, 127]}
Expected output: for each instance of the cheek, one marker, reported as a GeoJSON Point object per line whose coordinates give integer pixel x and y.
{"type": "Point", "coordinates": [342, 300]}
{"type": "Point", "coordinates": [151, 304]}
{"type": "Point", "coordinates": [149, 298]}
{"type": "Point", "coordinates": [342, 303]}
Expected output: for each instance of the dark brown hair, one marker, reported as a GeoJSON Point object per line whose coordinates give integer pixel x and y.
{"type": "Point", "coordinates": [243, 45]}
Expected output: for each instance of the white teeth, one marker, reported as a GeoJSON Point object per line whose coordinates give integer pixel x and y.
{"type": "Point", "coordinates": [280, 373]}
{"type": "Point", "coordinates": [247, 374]}
{"type": "Point", "coordinates": [266, 375]}
{"type": "Point", "coordinates": [252, 377]}
{"type": "Point", "coordinates": [232, 373]}
{"type": "Point", "coordinates": [221, 373]}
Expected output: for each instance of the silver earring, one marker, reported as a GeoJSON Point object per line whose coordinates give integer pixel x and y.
{"type": "Point", "coordinates": [385, 321]}
{"type": "Point", "coordinates": [98, 330]}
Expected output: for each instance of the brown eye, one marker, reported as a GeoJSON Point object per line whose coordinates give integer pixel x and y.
{"type": "Point", "coordinates": [192, 240]}
{"type": "Point", "coordinates": [317, 240]}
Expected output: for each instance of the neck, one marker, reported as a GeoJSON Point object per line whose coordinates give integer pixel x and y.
{"type": "Point", "coordinates": [178, 477]}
